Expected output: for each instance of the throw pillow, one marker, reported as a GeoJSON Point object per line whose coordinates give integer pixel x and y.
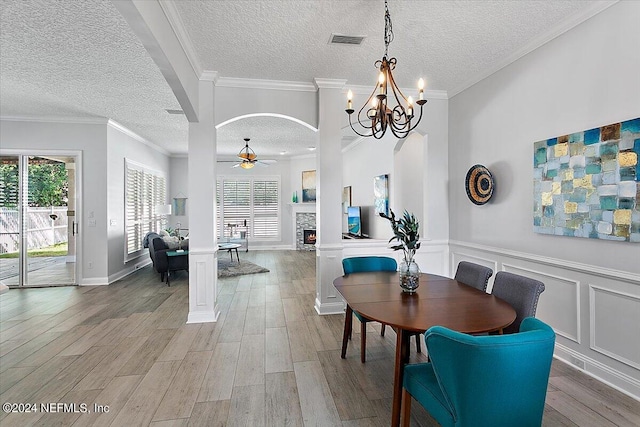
{"type": "Point", "coordinates": [171, 242]}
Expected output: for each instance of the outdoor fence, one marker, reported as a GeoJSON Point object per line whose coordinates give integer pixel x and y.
{"type": "Point", "coordinates": [42, 230]}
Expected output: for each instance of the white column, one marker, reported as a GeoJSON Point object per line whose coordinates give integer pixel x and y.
{"type": "Point", "coordinates": [203, 263]}
{"type": "Point", "coordinates": [329, 195]}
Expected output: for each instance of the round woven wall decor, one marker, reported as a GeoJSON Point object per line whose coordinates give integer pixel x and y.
{"type": "Point", "coordinates": [479, 184]}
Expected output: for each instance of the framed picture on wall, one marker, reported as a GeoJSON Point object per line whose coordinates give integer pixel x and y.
{"type": "Point", "coordinates": [381, 193]}
{"type": "Point", "coordinates": [309, 186]}
{"type": "Point", "coordinates": [346, 199]}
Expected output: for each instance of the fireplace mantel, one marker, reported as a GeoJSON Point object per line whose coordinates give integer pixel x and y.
{"type": "Point", "coordinates": [301, 207]}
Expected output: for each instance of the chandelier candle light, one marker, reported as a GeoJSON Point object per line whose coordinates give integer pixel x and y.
{"type": "Point", "coordinates": [376, 115]}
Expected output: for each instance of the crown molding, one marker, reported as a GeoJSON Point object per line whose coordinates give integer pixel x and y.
{"type": "Point", "coordinates": [57, 119]}
{"type": "Point", "coordinates": [540, 41]}
{"type": "Point", "coordinates": [320, 83]}
{"type": "Point", "coordinates": [117, 126]}
{"type": "Point", "coordinates": [181, 34]}
{"type": "Point", "coordinates": [353, 144]}
{"type": "Point", "coordinates": [264, 84]}
{"type": "Point", "coordinates": [210, 76]}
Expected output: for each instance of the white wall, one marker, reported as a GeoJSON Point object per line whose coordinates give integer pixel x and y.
{"type": "Point", "coordinates": [361, 164]}
{"type": "Point", "coordinates": [232, 102]}
{"type": "Point", "coordinates": [120, 146]}
{"type": "Point", "coordinates": [178, 185]}
{"type": "Point", "coordinates": [418, 181]}
{"type": "Point", "coordinates": [91, 139]}
{"type": "Point", "coordinates": [103, 150]}
{"type": "Point", "coordinates": [587, 77]}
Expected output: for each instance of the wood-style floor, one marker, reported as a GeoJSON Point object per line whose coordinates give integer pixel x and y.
{"type": "Point", "coordinates": [270, 360]}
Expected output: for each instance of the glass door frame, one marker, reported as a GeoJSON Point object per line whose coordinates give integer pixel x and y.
{"type": "Point", "coordinates": [23, 156]}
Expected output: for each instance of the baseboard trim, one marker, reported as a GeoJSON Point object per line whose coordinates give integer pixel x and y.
{"type": "Point", "coordinates": [94, 281]}
{"type": "Point", "coordinates": [329, 308]}
{"type": "Point", "coordinates": [601, 372]}
{"type": "Point", "coordinates": [203, 316]}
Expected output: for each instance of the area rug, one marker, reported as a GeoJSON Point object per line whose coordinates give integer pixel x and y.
{"type": "Point", "coordinates": [228, 268]}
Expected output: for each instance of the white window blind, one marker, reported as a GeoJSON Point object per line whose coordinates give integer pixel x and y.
{"type": "Point", "coordinates": [144, 190]}
{"type": "Point", "coordinates": [252, 202]}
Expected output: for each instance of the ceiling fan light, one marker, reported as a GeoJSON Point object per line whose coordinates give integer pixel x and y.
{"type": "Point", "coordinates": [246, 165]}
{"type": "Point", "coordinates": [247, 153]}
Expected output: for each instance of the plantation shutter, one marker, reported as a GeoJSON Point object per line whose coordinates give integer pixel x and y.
{"type": "Point", "coordinates": [251, 202]}
{"type": "Point", "coordinates": [236, 202]}
{"type": "Point", "coordinates": [218, 206]}
{"type": "Point", "coordinates": [144, 190]}
{"type": "Point", "coordinates": [265, 209]}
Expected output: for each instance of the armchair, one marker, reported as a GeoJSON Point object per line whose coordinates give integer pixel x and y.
{"type": "Point", "coordinates": [497, 381]}
{"type": "Point", "coordinates": [162, 263]}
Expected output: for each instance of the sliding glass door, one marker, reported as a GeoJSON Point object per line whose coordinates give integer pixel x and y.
{"type": "Point", "coordinates": [37, 220]}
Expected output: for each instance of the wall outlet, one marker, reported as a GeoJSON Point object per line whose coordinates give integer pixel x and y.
{"type": "Point", "coordinates": [90, 265]}
{"type": "Point", "coordinates": [112, 222]}
{"type": "Point", "coordinates": [92, 223]}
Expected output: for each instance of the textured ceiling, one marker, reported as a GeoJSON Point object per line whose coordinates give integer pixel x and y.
{"type": "Point", "coordinates": [81, 59]}
{"type": "Point", "coordinates": [447, 42]}
{"type": "Point", "coordinates": [270, 136]}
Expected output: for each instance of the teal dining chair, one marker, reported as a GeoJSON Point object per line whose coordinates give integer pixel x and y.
{"type": "Point", "coordinates": [491, 380]}
{"type": "Point", "coordinates": [364, 264]}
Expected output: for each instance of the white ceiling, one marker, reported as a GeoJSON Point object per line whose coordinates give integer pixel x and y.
{"type": "Point", "coordinates": [63, 59]}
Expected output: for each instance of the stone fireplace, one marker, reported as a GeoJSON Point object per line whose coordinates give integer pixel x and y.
{"type": "Point", "coordinates": [305, 231]}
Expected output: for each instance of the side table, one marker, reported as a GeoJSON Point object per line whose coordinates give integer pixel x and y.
{"type": "Point", "coordinates": [178, 260]}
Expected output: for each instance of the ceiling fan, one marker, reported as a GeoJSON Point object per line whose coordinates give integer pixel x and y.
{"type": "Point", "coordinates": [249, 159]}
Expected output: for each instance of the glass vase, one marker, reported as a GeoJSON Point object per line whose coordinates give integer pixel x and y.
{"type": "Point", "coordinates": [409, 276]}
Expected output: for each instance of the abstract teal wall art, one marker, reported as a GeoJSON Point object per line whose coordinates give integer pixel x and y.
{"type": "Point", "coordinates": [587, 184]}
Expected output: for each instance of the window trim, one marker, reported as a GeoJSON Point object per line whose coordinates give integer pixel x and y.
{"type": "Point", "coordinates": [155, 220]}
{"type": "Point", "coordinates": [251, 179]}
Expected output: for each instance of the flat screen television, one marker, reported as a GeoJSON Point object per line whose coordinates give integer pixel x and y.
{"type": "Point", "coordinates": [354, 221]}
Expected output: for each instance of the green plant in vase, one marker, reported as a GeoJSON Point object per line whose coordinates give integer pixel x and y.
{"type": "Point", "coordinates": [406, 231]}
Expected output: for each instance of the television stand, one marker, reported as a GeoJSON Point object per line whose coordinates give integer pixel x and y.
{"type": "Point", "coordinates": [353, 237]}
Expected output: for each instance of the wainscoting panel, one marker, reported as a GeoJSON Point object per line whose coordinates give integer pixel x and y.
{"type": "Point", "coordinates": [559, 304]}
{"type": "Point", "coordinates": [624, 344]}
{"type": "Point", "coordinates": [432, 257]}
{"type": "Point", "coordinates": [594, 311]}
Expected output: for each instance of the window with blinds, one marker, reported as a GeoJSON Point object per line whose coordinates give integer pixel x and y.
{"type": "Point", "coordinates": [253, 202]}
{"type": "Point", "coordinates": [144, 190]}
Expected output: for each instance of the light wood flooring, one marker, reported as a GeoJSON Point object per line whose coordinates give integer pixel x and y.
{"type": "Point", "coordinates": [270, 360]}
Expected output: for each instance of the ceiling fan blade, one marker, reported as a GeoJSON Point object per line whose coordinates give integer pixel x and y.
{"type": "Point", "coordinates": [268, 161]}
{"type": "Point", "coordinates": [236, 165]}
{"type": "Point", "coordinates": [265, 163]}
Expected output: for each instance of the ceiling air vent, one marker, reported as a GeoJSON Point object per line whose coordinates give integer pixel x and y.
{"type": "Point", "coordinates": [175, 111]}
{"type": "Point", "coordinates": [343, 39]}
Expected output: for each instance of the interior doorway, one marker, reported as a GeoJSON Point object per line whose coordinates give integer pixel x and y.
{"type": "Point", "coordinates": [38, 226]}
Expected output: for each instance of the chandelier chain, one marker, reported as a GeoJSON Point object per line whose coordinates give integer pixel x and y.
{"type": "Point", "coordinates": [388, 29]}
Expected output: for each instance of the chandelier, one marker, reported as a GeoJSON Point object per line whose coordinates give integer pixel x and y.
{"type": "Point", "coordinates": [387, 107]}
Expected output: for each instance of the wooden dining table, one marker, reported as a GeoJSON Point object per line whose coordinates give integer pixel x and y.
{"type": "Point", "coordinates": [438, 301]}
